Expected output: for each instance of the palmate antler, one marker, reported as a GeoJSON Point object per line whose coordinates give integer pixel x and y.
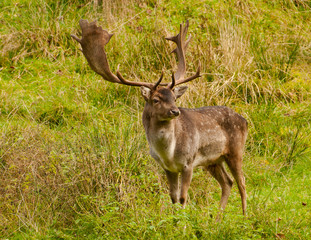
{"type": "Point", "coordinates": [180, 50]}
{"type": "Point", "coordinates": [93, 43]}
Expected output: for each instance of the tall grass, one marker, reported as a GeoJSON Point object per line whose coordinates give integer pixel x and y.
{"type": "Point", "coordinates": [74, 161]}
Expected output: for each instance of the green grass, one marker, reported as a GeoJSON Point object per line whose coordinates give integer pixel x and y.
{"type": "Point", "coordinates": [74, 160]}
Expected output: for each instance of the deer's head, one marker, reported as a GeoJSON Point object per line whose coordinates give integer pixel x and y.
{"type": "Point", "coordinates": [161, 101]}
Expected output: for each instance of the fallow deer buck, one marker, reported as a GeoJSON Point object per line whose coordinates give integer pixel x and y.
{"type": "Point", "coordinates": [180, 139]}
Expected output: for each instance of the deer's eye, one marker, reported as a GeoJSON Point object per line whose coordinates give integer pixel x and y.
{"type": "Point", "coordinates": [155, 100]}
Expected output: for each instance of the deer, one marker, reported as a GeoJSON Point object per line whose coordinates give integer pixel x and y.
{"type": "Point", "coordinates": [180, 139]}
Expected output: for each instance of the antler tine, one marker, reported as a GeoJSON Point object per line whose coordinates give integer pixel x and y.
{"type": "Point", "coordinates": [188, 79]}
{"type": "Point", "coordinates": [172, 85]}
{"type": "Point", "coordinates": [158, 82]}
{"type": "Point", "coordinates": [135, 84]}
{"type": "Point", "coordinates": [180, 51]}
{"type": "Point", "coordinates": [93, 43]}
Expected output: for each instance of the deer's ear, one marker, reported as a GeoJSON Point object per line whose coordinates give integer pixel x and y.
{"type": "Point", "coordinates": [179, 91]}
{"type": "Point", "coordinates": [145, 92]}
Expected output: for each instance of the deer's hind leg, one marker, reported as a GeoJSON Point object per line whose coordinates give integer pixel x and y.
{"type": "Point", "coordinates": [219, 173]}
{"type": "Point", "coordinates": [235, 166]}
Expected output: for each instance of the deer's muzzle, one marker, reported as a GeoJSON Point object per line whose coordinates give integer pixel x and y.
{"type": "Point", "coordinates": [175, 112]}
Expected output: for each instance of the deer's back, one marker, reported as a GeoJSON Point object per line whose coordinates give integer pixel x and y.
{"type": "Point", "coordinates": [230, 121]}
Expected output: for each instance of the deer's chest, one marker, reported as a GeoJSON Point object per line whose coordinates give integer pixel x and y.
{"type": "Point", "coordinates": [162, 148]}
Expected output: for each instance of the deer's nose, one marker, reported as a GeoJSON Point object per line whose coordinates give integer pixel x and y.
{"type": "Point", "coordinates": [175, 112]}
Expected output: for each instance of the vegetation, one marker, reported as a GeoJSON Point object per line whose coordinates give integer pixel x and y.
{"type": "Point", "coordinates": [74, 161]}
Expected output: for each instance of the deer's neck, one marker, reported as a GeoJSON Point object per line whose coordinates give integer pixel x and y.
{"type": "Point", "coordinates": [161, 137]}
{"type": "Point", "coordinates": [160, 132]}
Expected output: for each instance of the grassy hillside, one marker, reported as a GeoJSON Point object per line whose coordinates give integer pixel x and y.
{"type": "Point", "coordinates": [74, 161]}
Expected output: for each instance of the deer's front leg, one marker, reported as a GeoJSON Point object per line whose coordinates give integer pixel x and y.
{"type": "Point", "coordinates": [186, 176]}
{"type": "Point", "coordinates": [173, 183]}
